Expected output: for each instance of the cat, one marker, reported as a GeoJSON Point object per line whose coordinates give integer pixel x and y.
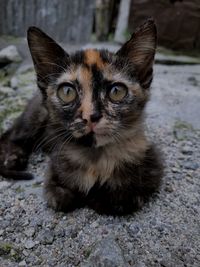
{"type": "Point", "coordinates": [88, 116]}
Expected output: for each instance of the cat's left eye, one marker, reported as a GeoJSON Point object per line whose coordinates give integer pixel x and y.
{"type": "Point", "coordinates": [67, 93]}
{"type": "Point", "coordinates": [117, 92]}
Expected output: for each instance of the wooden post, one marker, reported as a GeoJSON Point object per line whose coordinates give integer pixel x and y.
{"type": "Point", "coordinates": [122, 21]}
{"type": "Point", "coordinates": [102, 18]}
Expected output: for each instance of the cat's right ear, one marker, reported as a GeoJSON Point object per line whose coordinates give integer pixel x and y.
{"type": "Point", "coordinates": [48, 57]}
{"type": "Point", "coordinates": [140, 50]}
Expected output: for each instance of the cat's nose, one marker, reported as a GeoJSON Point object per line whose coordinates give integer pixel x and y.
{"type": "Point", "coordinates": [95, 117]}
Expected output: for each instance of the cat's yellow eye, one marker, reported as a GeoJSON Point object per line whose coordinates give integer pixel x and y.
{"type": "Point", "coordinates": [67, 93]}
{"type": "Point", "coordinates": [118, 92]}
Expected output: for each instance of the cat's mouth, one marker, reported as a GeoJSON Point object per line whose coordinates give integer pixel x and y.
{"type": "Point", "coordinates": [91, 139]}
{"type": "Point", "coordinates": [87, 140]}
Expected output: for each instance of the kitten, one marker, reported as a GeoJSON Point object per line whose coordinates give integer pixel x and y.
{"type": "Point", "coordinates": [89, 116]}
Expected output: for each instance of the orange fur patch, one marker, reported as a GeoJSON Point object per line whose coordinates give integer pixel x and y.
{"type": "Point", "coordinates": [85, 78]}
{"type": "Point", "coordinates": [93, 57]}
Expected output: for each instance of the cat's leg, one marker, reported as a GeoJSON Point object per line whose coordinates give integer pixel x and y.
{"type": "Point", "coordinates": [59, 196]}
{"type": "Point", "coordinates": [17, 143]}
{"type": "Point", "coordinates": [129, 188]}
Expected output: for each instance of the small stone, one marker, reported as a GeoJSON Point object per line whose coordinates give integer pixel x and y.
{"type": "Point", "coordinates": [169, 188]}
{"type": "Point", "coordinates": [14, 82]}
{"type": "Point", "coordinates": [25, 68]}
{"type": "Point", "coordinates": [47, 237]}
{"type": "Point", "coordinates": [191, 165]}
{"type": "Point", "coordinates": [106, 253]}
{"type": "Point", "coordinates": [1, 232]}
{"type": "Point", "coordinates": [133, 230]}
{"type": "Point", "coordinates": [5, 90]}
{"type": "Point", "coordinates": [9, 54]}
{"type": "Point", "coordinates": [60, 232]}
{"type": "Point", "coordinates": [25, 252]}
{"type": "Point", "coordinates": [175, 170]}
{"type": "Point", "coordinates": [29, 244]}
{"type": "Point", "coordinates": [22, 263]}
{"type": "Point", "coordinates": [187, 150]}
{"type": "Point", "coordinates": [30, 232]}
{"type": "Point", "coordinates": [4, 185]}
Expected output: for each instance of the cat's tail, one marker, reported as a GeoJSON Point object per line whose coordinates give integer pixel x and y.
{"type": "Point", "coordinates": [16, 175]}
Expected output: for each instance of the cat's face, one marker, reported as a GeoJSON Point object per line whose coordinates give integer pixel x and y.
{"type": "Point", "coordinates": [97, 96]}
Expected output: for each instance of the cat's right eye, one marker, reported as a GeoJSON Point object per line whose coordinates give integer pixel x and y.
{"type": "Point", "coordinates": [67, 93]}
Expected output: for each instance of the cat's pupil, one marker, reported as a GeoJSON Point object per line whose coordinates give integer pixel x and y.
{"type": "Point", "coordinates": [118, 93]}
{"type": "Point", "coordinates": [115, 90]}
{"type": "Point", "coordinates": [67, 90]}
{"type": "Point", "coordinates": [67, 93]}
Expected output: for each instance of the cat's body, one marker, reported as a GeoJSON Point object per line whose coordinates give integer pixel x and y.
{"type": "Point", "coordinates": [89, 120]}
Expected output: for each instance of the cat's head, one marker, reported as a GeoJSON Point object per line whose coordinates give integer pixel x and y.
{"type": "Point", "coordinates": [97, 96]}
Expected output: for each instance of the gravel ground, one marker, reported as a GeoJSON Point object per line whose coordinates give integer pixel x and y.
{"type": "Point", "coordinates": [165, 233]}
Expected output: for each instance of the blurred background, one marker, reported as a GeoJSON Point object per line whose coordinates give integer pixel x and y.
{"type": "Point", "coordinates": [104, 20]}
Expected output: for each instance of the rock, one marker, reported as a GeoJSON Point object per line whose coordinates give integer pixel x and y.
{"type": "Point", "coordinates": [25, 68]}
{"type": "Point", "coordinates": [175, 60]}
{"type": "Point", "coordinates": [4, 185]}
{"type": "Point", "coordinates": [133, 230]}
{"type": "Point", "coordinates": [106, 253]}
{"type": "Point", "coordinates": [29, 244]}
{"type": "Point", "coordinates": [47, 237]}
{"type": "Point", "coordinates": [9, 54]}
{"type": "Point", "coordinates": [187, 150]}
{"type": "Point", "coordinates": [22, 263]}
{"type": "Point", "coordinates": [191, 165]}
{"type": "Point", "coordinates": [14, 82]}
{"type": "Point", "coordinates": [30, 232]}
{"type": "Point", "coordinates": [6, 91]}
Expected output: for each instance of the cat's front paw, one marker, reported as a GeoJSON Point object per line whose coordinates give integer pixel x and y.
{"type": "Point", "coordinates": [59, 198]}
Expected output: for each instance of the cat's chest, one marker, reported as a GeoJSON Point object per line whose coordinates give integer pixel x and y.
{"type": "Point", "coordinates": [94, 170]}
{"type": "Point", "coordinates": [98, 166]}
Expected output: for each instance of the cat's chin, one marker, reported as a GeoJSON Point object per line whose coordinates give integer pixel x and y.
{"type": "Point", "coordinates": [92, 139]}
{"type": "Point", "coordinates": [101, 140]}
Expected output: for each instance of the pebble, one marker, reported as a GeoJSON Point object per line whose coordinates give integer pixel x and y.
{"type": "Point", "coordinates": [29, 244]}
{"type": "Point", "coordinates": [47, 237]}
{"type": "Point", "coordinates": [9, 54]}
{"type": "Point", "coordinates": [4, 185]}
{"type": "Point", "coordinates": [191, 165]}
{"type": "Point", "coordinates": [187, 150]}
{"type": "Point", "coordinates": [30, 232]}
{"type": "Point", "coordinates": [14, 82]}
{"type": "Point", "coordinates": [22, 263]}
{"type": "Point", "coordinates": [106, 253]}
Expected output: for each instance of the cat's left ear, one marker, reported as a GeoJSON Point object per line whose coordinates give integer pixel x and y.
{"type": "Point", "coordinates": [140, 50]}
{"type": "Point", "coordinates": [49, 58]}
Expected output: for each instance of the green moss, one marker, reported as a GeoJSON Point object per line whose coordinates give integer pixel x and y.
{"type": "Point", "coordinates": [183, 125]}
{"type": "Point", "coordinates": [26, 78]}
{"type": "Point", "coordinates": [183, 130]}
{"type": "Point", "coordinates": [169, 52]}
{"type": "Point", "coordinates": [19, 189]}
{"type": "Point", "coordinates": [12, 39]}
{"type": "Point", "coordinates": [9, 251]}
{"type": "Point", "coordinates": [5, 248]}
{"type": "Point", "coordinates": [36, 185]}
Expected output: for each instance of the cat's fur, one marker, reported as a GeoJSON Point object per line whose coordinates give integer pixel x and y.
{"type": "Point", "coordinates": [99, 154]}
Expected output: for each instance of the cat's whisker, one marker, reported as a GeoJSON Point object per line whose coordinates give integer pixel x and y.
{"type": "Point", "coordinates": [62, 146]}
{"type": "Point", "coordinates": [45, 140]}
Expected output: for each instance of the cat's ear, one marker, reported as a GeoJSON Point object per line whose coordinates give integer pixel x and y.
{"type": "Point", "coordinates": [48, 57]}
{"type": "Point", "coordinates": [140, 50]}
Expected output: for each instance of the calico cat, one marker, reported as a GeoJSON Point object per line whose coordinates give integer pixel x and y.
{"type": "Point", "coordinates": [88, 117]}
